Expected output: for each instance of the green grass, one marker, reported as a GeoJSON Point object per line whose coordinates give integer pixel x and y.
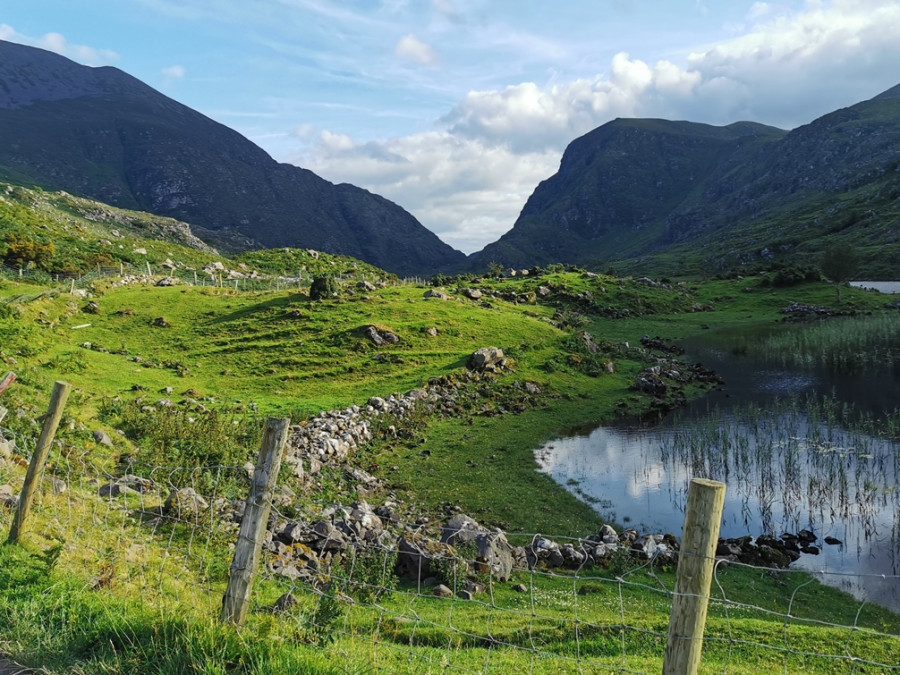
{"type": "Point", "coordinates": [562, 624]}
{"type": "Point", "coordinates": [245, 355]}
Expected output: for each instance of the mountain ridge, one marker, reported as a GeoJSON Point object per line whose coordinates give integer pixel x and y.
{"type": "Point", "coordinates": [103, 134]}
{"type": "Point", "coordinates": [634, 191]}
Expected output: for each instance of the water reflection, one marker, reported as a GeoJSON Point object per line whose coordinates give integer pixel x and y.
{"type": "Point", "coordinates": [788, 466]}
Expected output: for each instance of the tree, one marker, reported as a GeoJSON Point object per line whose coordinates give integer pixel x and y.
{"type": "Point", "coordinates": [839, 264]}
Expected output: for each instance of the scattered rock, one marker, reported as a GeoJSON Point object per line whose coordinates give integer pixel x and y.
{"type": "Point", "coordinates": [102, 437]}
{"type": "Point", "coordinates": [284, 603]}
{"type": "Point", "coordinates": [185, 501]}
{"type": "Point", "coordinates": [472, 293]}
{"type": "Point", "coordinates": [442, 591]}
{"type": "Point", "coordinates": [8, 498]}
{"type": "Point", "coordinates": [380, 337]}
{"type": "Point", "coordinates": [438, 295]}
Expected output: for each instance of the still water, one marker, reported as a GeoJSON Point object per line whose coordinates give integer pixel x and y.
{"type": "Point", "coordinates": [786, 463]}
{"type": "Point", "coordinates": [889, 287]}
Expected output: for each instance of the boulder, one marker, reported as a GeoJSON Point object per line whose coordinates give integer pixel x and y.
{"type": "Point", "coordinates": [438, 295]}
{"type": "Point", "coordinates": [486, 358]}
{"type": "Point", "coordinates": [493, 552]}
{"type": "Point", "coordinates": [442, 591]}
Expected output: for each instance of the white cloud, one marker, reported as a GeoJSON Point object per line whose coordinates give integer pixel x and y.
{"type": "Point", "coordinates": [173, 74]}
{"type": "Point", "coordinates": [466, 191]}
{"type": "Point", "coordinates": [411, 48]}
{"type": "Point", "coordinates": [469, 179]}
{"type": "Point", "coordinates": [90, 56]}
{"type": "Point", "coordinates": [57, 43]}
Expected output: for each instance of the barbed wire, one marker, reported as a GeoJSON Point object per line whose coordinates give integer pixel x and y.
{"type": "Point", "coordinates": [166, 534]}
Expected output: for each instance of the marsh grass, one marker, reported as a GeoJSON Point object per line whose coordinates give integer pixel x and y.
{"type": "Point", "coordinates": [800, 462]}
{"type": "Point", "coordinates": [842, 344]}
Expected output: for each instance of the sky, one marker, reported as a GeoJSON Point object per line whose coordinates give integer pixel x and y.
{"type": "Point", "coordinates": [457, 109]}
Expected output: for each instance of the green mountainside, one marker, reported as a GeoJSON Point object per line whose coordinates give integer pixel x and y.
{"type": "Point", "coordinates": [171, 380]}
{"type": "Point", "coordinates": [100, 133]}
{"type": "Point", "coordinates": [662, 197]}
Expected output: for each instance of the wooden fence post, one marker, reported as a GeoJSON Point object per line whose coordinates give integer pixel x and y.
{"type": "Point", "coordinates": [39, 459]}
{"type": "Point", "coordinates": [253, 524]}
{"type": "Point", "coordinates": [8, 379]}
{"type": "Point", "coordinates": [696, 563]}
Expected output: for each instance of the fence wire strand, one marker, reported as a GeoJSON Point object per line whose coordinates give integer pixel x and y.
{"type": "Point", "coordinates": [167, 534]}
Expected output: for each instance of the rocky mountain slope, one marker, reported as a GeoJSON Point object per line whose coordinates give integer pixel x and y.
{"type": "Point", "coordinates": [100, 133]}
{"type": "Point", "coordinates": [668, 196]}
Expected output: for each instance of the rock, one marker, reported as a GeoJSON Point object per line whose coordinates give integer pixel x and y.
{"type": "Point", "coordinates": [589, 342]}
{"type": "Point", "coordinates": [831, 541]}
{"type": "Point", "coordinates": [115, 489]}
{"type": "Point", "coordinates": [464, 594]}
{"type": "Point", "coordinates": [365, 286]}
{"type": "Point", "coordinates": [91, 308]}
{"type": "Point", "coordinates": [493, 552]}
{"type": "Point", "coordinates": [520, 588]}
{"type": "Point", "coordinates": [185, 501]}
{"type": "Point", "coordinates": [438, 295]}
{"type": "Point", "coordinates": [8, 498]}
{"type": "Point", "coordinates": [58, 486]}
{"type": "Point", "coordinates": [806, 537]}
{"type": "Point", "coordinates": [380, 337]}
{"type": "Point", "coordinates": [160, 322]}
{"type": "Point", "coordinates": [442, 591]}
{"type": "Point", "coordinates": [431, 332]}
{"type": "Point", "coordinates": [608, 534]}
{"type": "Point", "coordinates": [473, 293]}
{"type": "Point", "coordinates": [102, 437]}
{"type": "Point", "coordinates": [284, 603]}
{"type": "Point", "coordinates": [168, 281]}
{"type": "Point", "coordinates": [543, 291]}
{"type": "Point", "coordinates": [7, 448]}
{"type": "Point", "coordinates": [486, 358]}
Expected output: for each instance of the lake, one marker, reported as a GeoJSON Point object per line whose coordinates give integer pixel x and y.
{"type": "Point", "coordinates": [889, 287]}
{"type": "Point", "coordinates": [786, 461]}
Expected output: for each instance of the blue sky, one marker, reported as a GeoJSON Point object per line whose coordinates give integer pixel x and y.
{"type": "Point", "coordinates": [456, 109]}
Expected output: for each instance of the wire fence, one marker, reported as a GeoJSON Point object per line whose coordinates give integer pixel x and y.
{"type": "Point", "coordinates": [381, 591]}
{"type": "Point", "coordinates": [237, 280]}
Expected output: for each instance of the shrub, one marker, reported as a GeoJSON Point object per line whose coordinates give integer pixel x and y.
{"type": "Point", "coordinates": [323, 287]}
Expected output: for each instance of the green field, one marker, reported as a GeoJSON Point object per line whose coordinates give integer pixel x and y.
{"type": "Point", "coordinates": [78, 597]}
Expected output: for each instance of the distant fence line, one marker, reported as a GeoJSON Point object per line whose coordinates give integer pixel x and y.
{"type": "Point", "coordinates": [165, 533]}
{"type": "Point", "coordinates": [229, 279]}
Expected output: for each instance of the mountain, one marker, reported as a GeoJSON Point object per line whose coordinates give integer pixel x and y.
{"type": "Point", "coordinates": [100, 133]}
{"type": "Point", "coordinates": [667, 197]}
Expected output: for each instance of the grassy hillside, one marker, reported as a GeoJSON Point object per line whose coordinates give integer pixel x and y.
{"type": "Point", "coordinates": [187, 372]}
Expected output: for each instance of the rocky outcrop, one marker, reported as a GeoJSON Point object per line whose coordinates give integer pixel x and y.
{"type": "Point", "coordinates": [489, 359]}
